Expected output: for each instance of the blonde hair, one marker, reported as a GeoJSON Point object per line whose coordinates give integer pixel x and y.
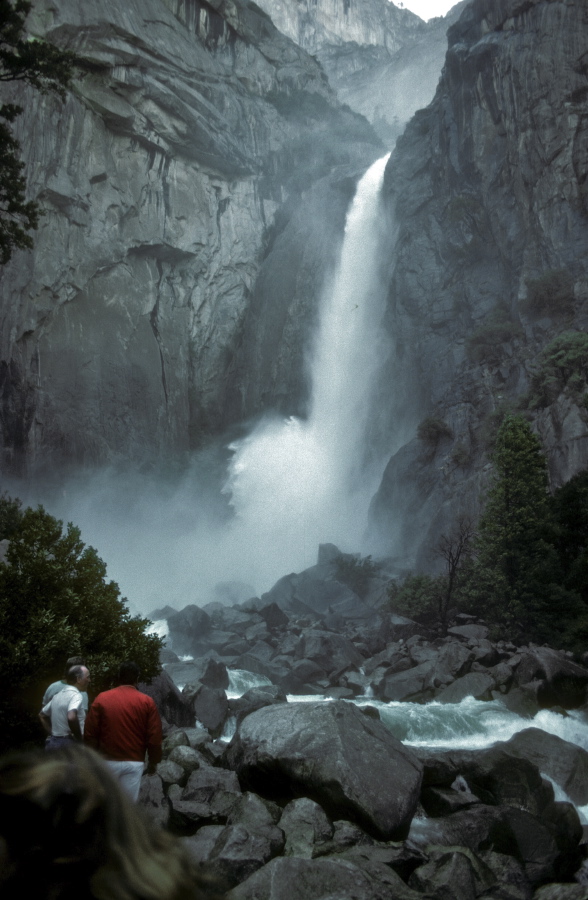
{"type": "Point", "coordinates": [83, 835]}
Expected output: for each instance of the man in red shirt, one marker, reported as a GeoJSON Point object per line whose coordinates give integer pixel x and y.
{"type": "Point", "coordinates": [123, 724]}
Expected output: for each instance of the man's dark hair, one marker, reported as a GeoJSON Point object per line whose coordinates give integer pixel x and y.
{"type": "Point", "coordinates": [128, 672]}
{"type": "Point", "coordinates": [73, 661]}
{"type": "Point", "coordinates": [73, 673]}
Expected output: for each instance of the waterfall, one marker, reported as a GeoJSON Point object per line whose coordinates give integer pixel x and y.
{"type": "Point", "coordinates": [296, 483]}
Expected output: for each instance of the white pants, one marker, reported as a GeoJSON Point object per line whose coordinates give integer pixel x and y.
{"type": "Point", "coordinates": [128, 772]}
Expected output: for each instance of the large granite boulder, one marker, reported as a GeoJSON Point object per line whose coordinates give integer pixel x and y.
{"type": "Point", "coordinates": [293, 878]}
{"type": "Point", "coordinates": [188, 628]}
{"type": "Point", "coordinates": [170, 703]}
{"type": "Point", "coordinates": [327, 650]}
{"type": "Point", "coordinates": [562, 681]}
{"type": "Point", "coordinates": [566, 763]}
{"type": "Point", "coordinates": [347, 762]}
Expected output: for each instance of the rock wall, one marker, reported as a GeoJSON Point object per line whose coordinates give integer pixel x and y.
{"type": "Point", "coordinates": [382, 61]}
{"type": "Point", "coordinates": [489, 188]}
{"type": "Point", "coordinates": [188, 139]}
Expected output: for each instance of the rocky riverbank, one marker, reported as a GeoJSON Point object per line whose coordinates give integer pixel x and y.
{"type": "Point", "coordinates": [318, 799]}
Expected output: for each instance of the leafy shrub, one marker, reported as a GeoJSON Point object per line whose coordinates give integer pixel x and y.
{"type": "Point", "coordinates": [55, 602]}
{"type": "Point", "coordinates": [460, 456]}
{"type": "Point", "coordinates": [552, 294]}
{"type": "Point", "coordinates": [355, 572]}
{"type": "Point", "coordinates": [417, 596]}
{"type": "Point", "coordinates": [486, 342]}
{"type": "Point", "coordinates": [432, 429]}
{"type": "Point", "coordinates": [563, 365]}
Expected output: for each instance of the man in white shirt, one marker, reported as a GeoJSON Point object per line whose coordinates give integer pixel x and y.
{"type": "Point", "coordinates": [59, 685]}
{"type": "Point", "coordinates": [63, 717]}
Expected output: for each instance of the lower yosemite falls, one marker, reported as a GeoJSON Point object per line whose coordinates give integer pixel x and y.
{"type": "Point", "coordinates": [307, 364]}
{"type": "Point", "coordinates": [296, 483]}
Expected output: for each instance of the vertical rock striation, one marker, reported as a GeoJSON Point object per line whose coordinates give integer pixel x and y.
{"type": "Point", "coordinates": [190, 135]}
{"type": "Point", "coordinates": [490, 192]}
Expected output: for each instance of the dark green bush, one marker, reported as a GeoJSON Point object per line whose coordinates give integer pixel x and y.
{"type": "Point", "coordinates": [355, 572]}
{"type": "Point", "coordinates": [562, 366]}
{"type": "Point", "coordinates": [485, 344]}
{"type": "Point", "coordinates": [432, 429]}
{"type": "Point", "coordinates": [56, 602]}
{"type": "Point", "coordinates": [551, 294]}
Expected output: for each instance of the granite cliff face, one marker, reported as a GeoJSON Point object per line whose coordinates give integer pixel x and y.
{"type": "Point", "coordinates": [384, 62]}
{"type": "Point", "coordinates": [190, 136]}
{"type": "Point", "coordinates": [491, 273]}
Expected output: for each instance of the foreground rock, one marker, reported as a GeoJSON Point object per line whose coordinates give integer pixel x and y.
{"type": "Point", "coordinates": [331, 752]}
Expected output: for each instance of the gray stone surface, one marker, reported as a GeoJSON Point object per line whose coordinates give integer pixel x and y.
{"type": "Point", "coordinates": [347, 762]}
{"type": "Point", "coordinates": [160, 178]}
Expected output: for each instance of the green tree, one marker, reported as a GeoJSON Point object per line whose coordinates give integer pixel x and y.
{"type": "Point", "coordinates": [46, 68]}
{"type": "Point", "coordinates": [517, 580]}
{"type": "Point", "coordinates": [55, 602]}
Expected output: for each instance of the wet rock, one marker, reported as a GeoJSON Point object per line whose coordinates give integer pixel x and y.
{"type": "Point", "coordinates": [469, 632]}
{"type": "Point", "coordinates": [562, 681]}
{"type": "Point", "coordinates": [187, 628]}
{"type": "Point", "coordinates": [411, 684]}
{"type": "Point", "coordinates": [170, 703]}
{"type": "Point", "coordinates": [304, 824]}
{"type": "Point", "coordinates": [256, 698]}
{"type": "Point", "coordinates": [293, 878]}
{"type": "Point", "coordinates": [171, 773]}
{"type": "Point", "coordinates": [329, 651]}
{"type": "Point", "coordinates": [474, 684]}
{"type": "Point", "coordinates": [348, 763]}
{"type": "Point", "coordinates": [455, 873]}
{"type": "Point", "coordinates": [237, 853]}
{"type": "Point", "coordinates": [566, 763]}
{"type": "Point", "coordinates": [153, 800]}
{"type": "Point", "coordinates": [209, 705]}
{"type": "Point", "coordinates": [174, 739]}
{"type": "Point", "coordinates": [188, 758]}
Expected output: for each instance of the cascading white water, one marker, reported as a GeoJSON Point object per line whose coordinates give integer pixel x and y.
{"type": "Point", "coordinates": [296, 483]}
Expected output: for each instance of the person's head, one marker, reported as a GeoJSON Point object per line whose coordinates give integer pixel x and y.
{"type": "Point", "coordinates": [128, 672]}
{"type": "Point", "coordinates": [79, 676]}
{"type": "Point", "coordinates": [68, 830]}
{"type": "Point", "coordinates": [73, 661]}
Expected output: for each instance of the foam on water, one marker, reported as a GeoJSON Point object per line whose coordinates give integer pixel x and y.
{"type": "Point", "coordinates": [241, 681]}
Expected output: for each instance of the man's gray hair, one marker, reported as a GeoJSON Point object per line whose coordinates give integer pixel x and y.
{"type": "Point", "coordinates": [74, 673]}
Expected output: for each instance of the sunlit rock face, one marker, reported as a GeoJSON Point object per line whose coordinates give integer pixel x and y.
{"type": "Point", "coordinates": [383, 61]}
{"type": "Point", "coordinates": [489, 188]}
{"type": "Point", "coordinates": [186, 142]}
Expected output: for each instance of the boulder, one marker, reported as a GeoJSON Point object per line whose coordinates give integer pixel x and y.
{"type": "Point", "coordinates": [304, 824]}
{"type": "Point", "coordinates": [565, 763]}
{"type": "Point", "coordinates": [171, 773]}
{"type": "Point", "coordinates": [347, 762]}
{"type": "Point", "coordinates": [153, 800]}
{"type": "Point", "coordinates": [329, 651]}
{"type": "Point", "coordinates": [409, 685]}
{"type": "Point", "coordinates": [187, 628]}
{"type": "Point", "coordinates": [209, 705]}
{"type": "Point", "coordinates": [293, 878]}
{"type": "Point", "coordinates": [188, 758]}
{"type": "Point", "coordinates": [455, 873]}
{"type": "Point", "coordinates": [561, 892]}
{"type": "Point", "coordinates": [236, 853]}
{"type": "Point", "coordinates": [496, 777]}
{"type": "Point", "coordinates": [170, 703]}
{"type": "Point", "coordinates": [273, 616]}
{"type": "Point", "coordinates": [562, 681]}
{"type": "Point", "coordinates": [256, 698]}
{"type": "Point", "coordinates": [474, 684]}
{"type": "Point", "coordinates": [469, 632]}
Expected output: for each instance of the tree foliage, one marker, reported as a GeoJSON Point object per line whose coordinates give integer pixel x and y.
{"type": "Point", "coordinates": [518, 581]}
{"type": "Point", "coordinates": [46, 68]}
{"type": "Point", "coordinates": [56, 602]}
{"type": "Point", "coordinates": [356, 572]}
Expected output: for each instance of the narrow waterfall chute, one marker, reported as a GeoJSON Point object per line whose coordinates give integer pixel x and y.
{"type": "Point", "coordinates": [295, 483]}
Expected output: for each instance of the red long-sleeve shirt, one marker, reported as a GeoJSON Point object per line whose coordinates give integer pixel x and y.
{"type": "Point", "coordinates": [124, 724]}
